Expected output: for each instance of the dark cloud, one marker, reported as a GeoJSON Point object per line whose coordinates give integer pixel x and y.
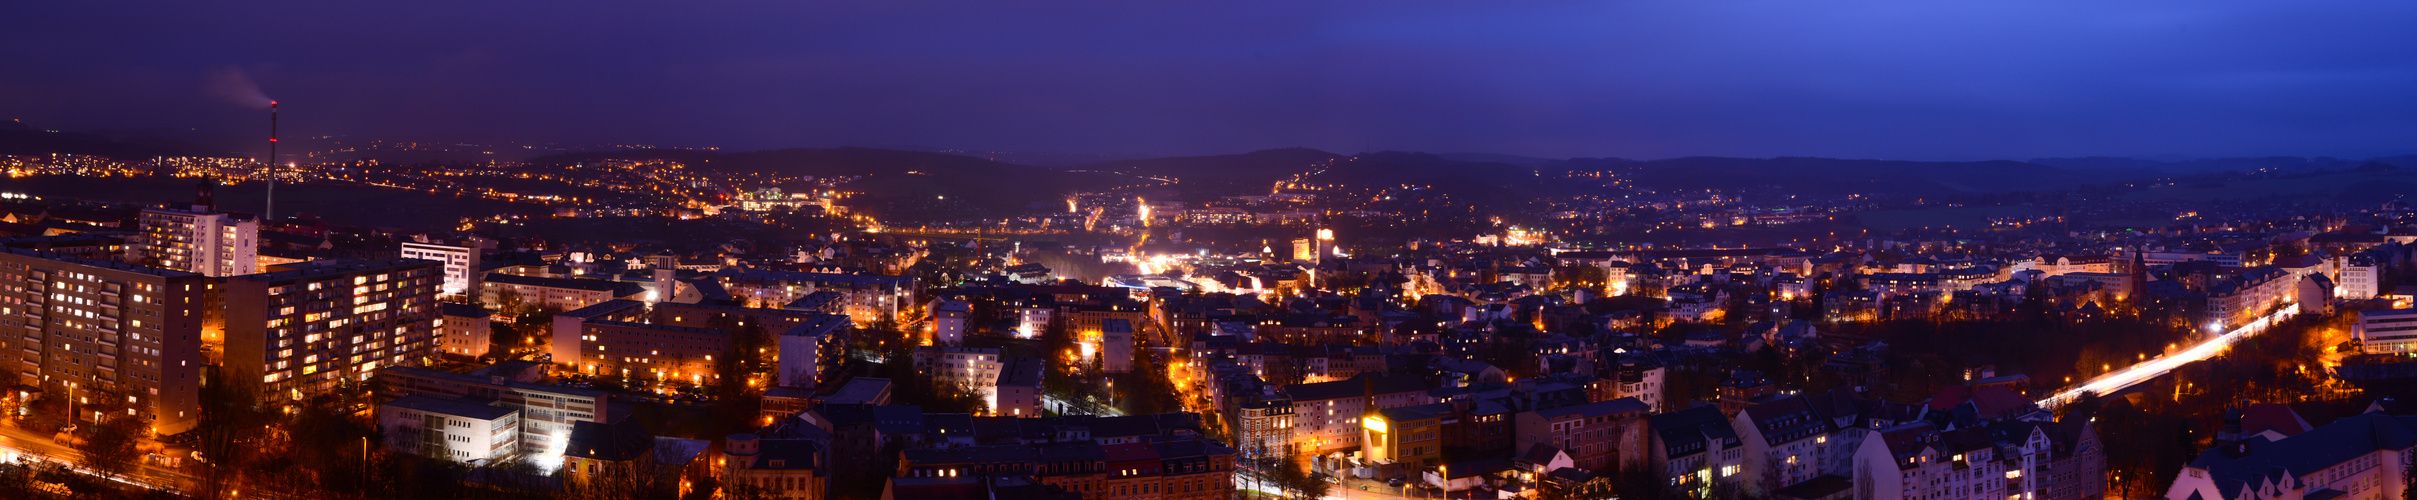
{"type": "Point", "coordinates": [1632, 78]}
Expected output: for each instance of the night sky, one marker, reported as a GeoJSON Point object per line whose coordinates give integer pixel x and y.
{"type": "Point", "coordinates": [1926, 79]}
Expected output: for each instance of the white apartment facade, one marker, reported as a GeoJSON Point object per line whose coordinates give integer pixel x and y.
{"type": "Point", "coordinates": [213, 244]}
{"type": "Point", "coordinates": [976, 368]}
{"type": "Point", "coordinates": [460, 265]}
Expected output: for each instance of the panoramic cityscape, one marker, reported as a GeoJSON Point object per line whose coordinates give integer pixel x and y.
{"type": "Point", "coordinates": [1557, 251]}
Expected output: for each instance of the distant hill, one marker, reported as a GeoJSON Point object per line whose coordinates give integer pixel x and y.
{"type": "Point", "coordinates": [907, 185]}
{"type": "Point", "coordinates": [20, 139]}
{"type": "Point", "coordinates": [2155, 168]}
{"type": "Point", "coordinates": [1259, 167]}
{"type": "Point", "coordinates": [1835, 176]}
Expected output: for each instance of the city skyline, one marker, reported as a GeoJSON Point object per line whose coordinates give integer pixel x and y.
{"type": "Point", "coordinates": [1701, 250]}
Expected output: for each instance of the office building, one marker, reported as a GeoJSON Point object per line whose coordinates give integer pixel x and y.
{"type": "Point", "coordinates": [451, 429]}
{"type": "Point", "coordinates": [2386, 331]}
{"type": "Point", "coordinates": [548, 412]}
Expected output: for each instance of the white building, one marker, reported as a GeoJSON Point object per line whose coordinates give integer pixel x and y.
{"type": "Point", "coordinates": [801, 349]}
{"type": "Point", "coordinates": [461, 265]}
{"type": "Point", "coordinates": [2386, 331]}
{"type": "Point", "coordinates": [948, 321]}
{"type": "Point", "coordinates": [465, 329]}
{"type": "Point", "coordinates": [977, 368]}
{"type": "Point", "coordinates": [2361, 277]}
{"type": "Point", "coordinates": [213, 244]}
{"type": "Point", "coordinates": [1785, 442]}
{"type": "Point", "coordinates": [452, 429]}
{"type": "Point", "coordinates": [1116, 346]}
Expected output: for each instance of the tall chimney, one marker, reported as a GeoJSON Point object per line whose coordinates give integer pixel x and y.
{"type": "Point", "coordinates": [269, 212]}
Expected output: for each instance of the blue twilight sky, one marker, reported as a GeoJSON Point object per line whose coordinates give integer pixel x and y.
{"type": "Point", "coordinates": [1914, 79]}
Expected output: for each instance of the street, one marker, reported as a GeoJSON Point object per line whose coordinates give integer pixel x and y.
{"type": "Point", "coordinates": [22, 443]}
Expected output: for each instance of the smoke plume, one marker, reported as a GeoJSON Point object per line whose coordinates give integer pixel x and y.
{"type": "Point", "coordinates": [237, 88]}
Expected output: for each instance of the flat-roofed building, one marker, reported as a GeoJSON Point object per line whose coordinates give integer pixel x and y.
{"type": "Point", "coordinates": [570, 342]}
{"type": "Point", "coordinates": [213, 244]}
{"type": "Point", "coordinates": [460, 263]}
{"type": "Point", "coordinates": [547, 411]}
{"type": "Point", "coordinates": [561, 294]}
{"type": "Point", "coordinates": [77, 324]}
{"type": "Point", "coordinates": [90, 246]}
{"type": "Point", "coordinates": [468, 330]}
{"type": "Point", "coordinates": [452, 429]}
{"type": "Point", "coordinates": [976, 368]}
{"type": "Point", "coordinates": [866, 298]}
{"type": "Point", "coordinates": [810, 349]}
{"type": "Point", "coordinates": [304, 329]}
{"type": "Point", "coordinates": [658, 352]}
{"type": "Point", "coordinates": [2386, 331]}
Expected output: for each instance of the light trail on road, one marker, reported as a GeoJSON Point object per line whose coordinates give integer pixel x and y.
{"type": "Point", "coordinates": [2144, 371]}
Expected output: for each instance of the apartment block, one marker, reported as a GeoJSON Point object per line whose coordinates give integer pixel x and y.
{"type": "Point", "coordinates": [307, 328]}
{"type": "Point", "coordinates": [73, 324]}
{"type": "Point", "coordinates": [213, 244]}
{"type": "Point", "coordinates": [467, 330]}
{"type": "Point", "coordinates": [460, 264]}
{"type": "Point", "coordinates": [866, 298]}
{"type": "Point", "coordinates": [561, 294]}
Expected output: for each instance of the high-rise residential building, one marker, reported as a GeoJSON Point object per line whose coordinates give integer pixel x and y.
{"type": "Point", "coordinates": [461, 265]}
{"type": "Point", "coordinates": [88, 328]}
{"type": "Point", "coordinates": [213, 244]}
{"type": "Point", "coordinates": [305, 328]}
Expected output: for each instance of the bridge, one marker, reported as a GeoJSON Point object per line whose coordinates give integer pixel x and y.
{"type": "Point", "coordinates": [2110, 382]}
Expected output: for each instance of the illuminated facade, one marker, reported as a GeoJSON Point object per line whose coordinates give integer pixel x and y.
{"type": "Point", "coordinates": [213, 244]}
{"type": "Point", "coordinates": [89, 327]}
{"type": "Point", "coordinates": [866, 298]}
{"type": "Point", "coordinates": [460, 264]}
{"type": "Point", "coordinates": [547, 412]}
{"type": "Point", "coordinates": [304, 329]}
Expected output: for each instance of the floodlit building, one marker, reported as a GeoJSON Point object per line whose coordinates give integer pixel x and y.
{"type": "Point", "coordinates": [548, 411]}
{"type": "Point", "coordinates": [2386, 331]}
{"type": "Point", "coordinates": [460, 265]}
{"type": "Point", "coordinates": [451, 429]}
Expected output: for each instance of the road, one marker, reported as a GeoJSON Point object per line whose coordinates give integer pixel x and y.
{"type": "Point", "coordinates": [2144, 371]}
{"type": "Point", "coordinates": [15, 443]}
{"type": "Point", "coordinates": [1244, 481]}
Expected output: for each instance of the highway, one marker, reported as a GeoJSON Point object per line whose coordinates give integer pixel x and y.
{"type": "Point", "coordinates": [2148, 370]}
